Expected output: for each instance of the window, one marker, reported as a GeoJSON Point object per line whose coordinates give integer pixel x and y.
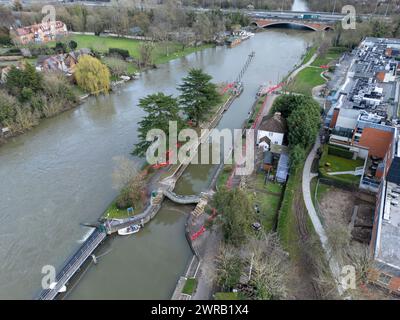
{"type": "Point", "coordinates": [384, 278]}
{"type": "Point", "coordinates": [270, 134]}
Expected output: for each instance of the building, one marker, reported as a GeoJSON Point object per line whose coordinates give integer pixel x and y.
{"type": "Point", "coordinates": [282, 171]}
{"type": "Point", "coordinates": [268, 161]}
{"type": "Point", "coordinates": [274, 128]}
{"type": "Point", "coordinates": [39, 33]}
{"type": "Point", "coordinates": [61, 62]}
{"type": "Point", "coordinates": [363, 117]}
{"type": "Point", "coordinates": [385, 241]}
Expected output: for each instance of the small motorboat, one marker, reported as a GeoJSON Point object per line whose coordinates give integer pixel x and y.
{"type": "Point", "coordinates": [129, 230]}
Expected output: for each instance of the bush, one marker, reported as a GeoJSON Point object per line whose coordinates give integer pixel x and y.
{"type": "Point", "coordinates": [122, 52]}
{"type": "Point", "coordinates": [72, 45]}
{"type": "Point", "coordinates": [340, 152]}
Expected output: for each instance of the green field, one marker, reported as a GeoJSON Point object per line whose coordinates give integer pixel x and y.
{"type": "Point", "coordinates": [190, 286]}
{"type": "Point", "coordinates": [306, 80]}
{"type": "Point", "coordinates": [161, 54]}
{"type": "Point", "coordinates": [333, 54]}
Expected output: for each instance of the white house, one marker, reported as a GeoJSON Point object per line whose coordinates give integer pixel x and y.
{"type": "Point", "coordinates": [272, 130]}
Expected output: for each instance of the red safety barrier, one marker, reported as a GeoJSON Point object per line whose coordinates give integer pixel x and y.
{"type": "Point", "coordinates": [203, 228]}
{"type": "Point", "coordinates": [227, 87]}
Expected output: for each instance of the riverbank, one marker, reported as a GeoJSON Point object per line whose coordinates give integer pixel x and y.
{"type": "Point", "coordinates": [103, 44]}
{"type": "Point", "coordinates": [206, 247]}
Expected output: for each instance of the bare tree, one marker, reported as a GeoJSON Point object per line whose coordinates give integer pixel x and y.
{"type": "Point", "coordinates": [268, 267]}
{"type": "Point", "coordinates": [124, 171]}
{"type": "Point", "coordinates": [146, 54]}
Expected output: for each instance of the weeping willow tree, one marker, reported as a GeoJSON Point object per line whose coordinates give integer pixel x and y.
{"type": "Point", "coordinates": [92, 76]}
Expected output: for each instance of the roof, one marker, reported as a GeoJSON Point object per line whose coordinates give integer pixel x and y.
{"type": "Point", "coordinates": [275, 123]}
{"type": "Point", "coordinates": [283, 168]}
{"type": "Point", "coordinates": [394, 171]}
{"type": "Point", "coordinates": [265, 139]}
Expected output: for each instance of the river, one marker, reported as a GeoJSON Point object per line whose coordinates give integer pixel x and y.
{"type": "Point", "coordinates": [299, 5]}
{"type": "Point", "coordinates": [59, 175]}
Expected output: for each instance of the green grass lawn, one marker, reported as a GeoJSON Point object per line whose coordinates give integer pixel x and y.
{"type": "Point", "coordinates": [269, 186]}
{"type": "Point", "coordinates": [306, 80]}
{"type": "Point", "coordinates": [113, 212]}
{"type": "Point", "coordinates": [309, 54]}
{"type": "Point", "coordinates": [190, 286]}
{"type": "Point", "coordinates": [226, 296]}
{"type": "Point", "coordinates": [338, 164]}
{"type": "Point", "coordinates": [332, 55]}
{"type": "Point", "coordinates": [268, 203]}
{"type": "Point", "coordinates": [102, 44]}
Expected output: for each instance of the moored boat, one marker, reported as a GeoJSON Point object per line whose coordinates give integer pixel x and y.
{"type": "Point", "coordinates": [129, 230]}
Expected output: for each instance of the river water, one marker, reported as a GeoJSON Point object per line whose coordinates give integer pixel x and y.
{"type": "Point", "coordinates": [299, 5]}
{"type": "Point", "coordinates": [59, 175]}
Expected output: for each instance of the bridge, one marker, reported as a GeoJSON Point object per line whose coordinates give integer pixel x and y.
{"type": "Point", "coordinates": [73, 264]}
{"type": "Point", "coordinates": [180, 199]}
{"type": "Point", "coordinates": [310, 24]}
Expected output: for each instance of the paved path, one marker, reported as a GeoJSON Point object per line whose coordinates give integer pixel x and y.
{"type": "Point", "coordinates": [295, 72]}
{"type": "Point", "coordinates": [319, 229]}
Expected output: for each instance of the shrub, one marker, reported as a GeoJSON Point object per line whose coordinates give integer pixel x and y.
{"type": "Point", "coordinates": [122, 52]}
{"type": "Point", "coordinates": [72, 45]}
{"type": "Point", "coordinates": [340, 152]}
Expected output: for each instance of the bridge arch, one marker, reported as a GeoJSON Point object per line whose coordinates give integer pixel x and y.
{"type": "Point", "coordinates": [310, 26]}
{"type": "Point", "coordinates": [287, 23]}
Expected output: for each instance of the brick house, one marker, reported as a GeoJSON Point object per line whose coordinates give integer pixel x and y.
{"type": "Point", "coordinates": [39, 33]}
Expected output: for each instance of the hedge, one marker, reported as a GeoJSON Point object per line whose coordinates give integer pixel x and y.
{"type": "Point", "coordinates": [340, 152]}
{"type": "Point", "coordinates": [122, 52]}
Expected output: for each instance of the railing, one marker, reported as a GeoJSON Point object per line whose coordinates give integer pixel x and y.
{"type": "Point", "coordinates": [73, 264]}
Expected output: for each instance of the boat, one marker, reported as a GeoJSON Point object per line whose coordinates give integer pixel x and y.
{"type": "Point", "coordinates": [237, 88]}
{"type": "Point", "coordinates": [129, 230]}
{"type": "Point", "coordinates": [233, 41]}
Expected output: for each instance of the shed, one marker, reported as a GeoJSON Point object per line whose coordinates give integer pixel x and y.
{"type": "Point", "coordinates": [283, 168]}
{"type": "Point", "coordinates": [268, 160]}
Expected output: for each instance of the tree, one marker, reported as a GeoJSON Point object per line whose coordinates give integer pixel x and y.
{"type": "Point", "coordinates": [160, 109]}
{"type": "Point", "coordinates": [23, 82]}
{"type": "Point", "coordinates": [8, 106]}
{"type": "Point", "coordinates": [60, 47]}
{"type": "Point", "coordinates": [72, 45]}
{"type": "Point", "coordinates": [228, 267]}
{"type": "Point", "coordinates": [269, 265]}
{"type": "Point", "coordinates": [92, 76]}
{"type": "Point", "coordinates": [285, 104]}
{"type": "Point", "coordinates": [297, 156]}
{"type": "Point", "coordinates": [198, 95]}
{"type": "Point", "coordinates": [236, 214]}
{"type": "Point", "coordinates": [303, 123]}
{"type": "Point", "coordinates": [146, 54]}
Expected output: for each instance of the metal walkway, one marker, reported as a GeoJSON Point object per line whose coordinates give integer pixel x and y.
{"type": "Point", "coordinates": [73, 264]}
{"type": "Point", "coordinates": [181, 199]}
